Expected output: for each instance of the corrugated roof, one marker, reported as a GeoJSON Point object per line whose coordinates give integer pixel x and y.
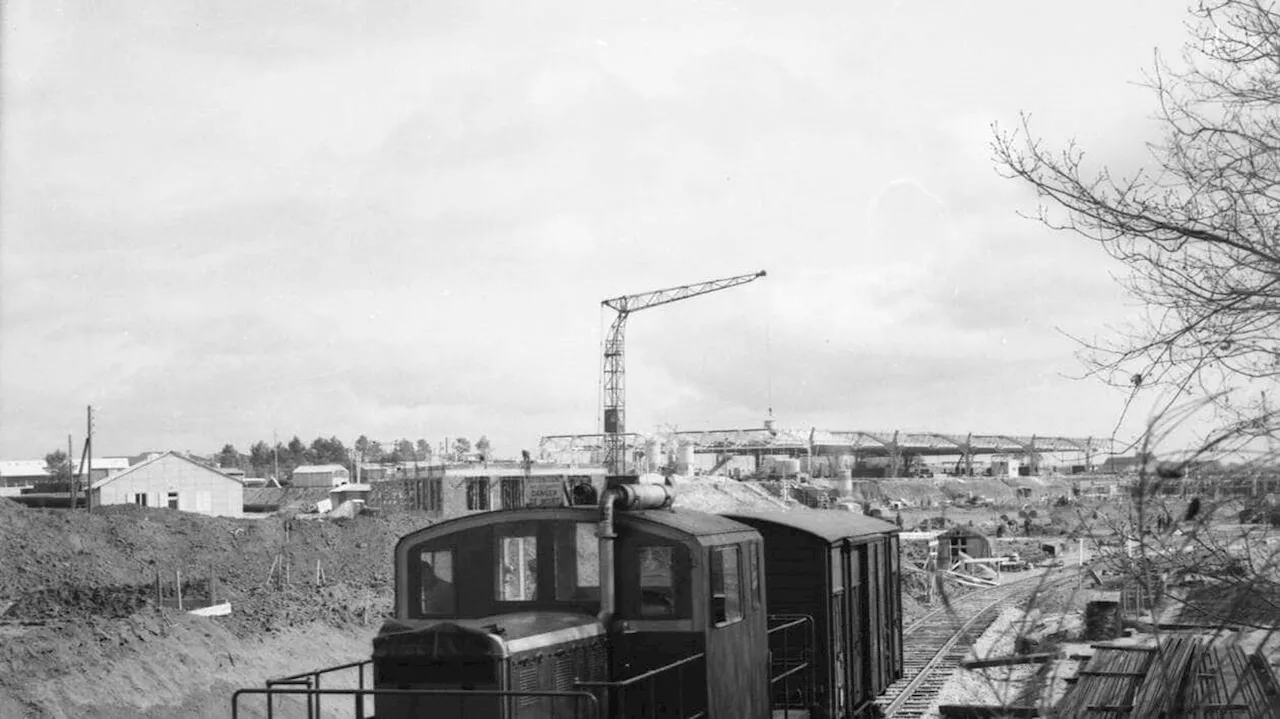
{"type": "Point", "coordinates": [36, 467]}
{"type": "Point", "coordinates": [317, 468]}
{"type": "Point", "coordinates": [830, 526]}
{"type": "Point", "coordinates": [23, 468]}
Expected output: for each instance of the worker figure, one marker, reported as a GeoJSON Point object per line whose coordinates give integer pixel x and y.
{"type": "Point", "coordinates": [437, 594]}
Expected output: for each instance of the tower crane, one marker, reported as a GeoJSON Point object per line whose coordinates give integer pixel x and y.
{"type": "Point", "coordinates": [615, 368]}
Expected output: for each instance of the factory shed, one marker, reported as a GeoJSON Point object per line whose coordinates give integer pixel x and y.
{"type": "Point", "coordinates": [320, 475]}
{"type": "Point", "coordinates": [956, 540]}
{"type": "Point", "coordinates": [173, 481]}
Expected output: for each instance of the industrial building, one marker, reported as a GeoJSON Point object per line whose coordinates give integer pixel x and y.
{"type": "Point", "coordinates": [455, 490]}
{"type": "Point", "coordinates": [824, 453]}
{"type": "Point", "coordinates": [173, 481]}
{"type": "Point", "coordinates": [320, 475]}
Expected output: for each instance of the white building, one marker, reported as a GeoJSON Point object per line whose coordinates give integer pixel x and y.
{"type": "Point", "coordinates": [172, 480]}
{"type": "Point", "coordinates": [320, 475]}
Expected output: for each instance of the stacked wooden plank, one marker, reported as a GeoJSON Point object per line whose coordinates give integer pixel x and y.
{"type": "Point", "coordinates": [1226, 684]}
{"type": "Point", "coordinates": [1107, 685]}
{"type": "Point", "coordinates": [1178, 677]}
{"type": "Point", "coordinates": [1160, 695]}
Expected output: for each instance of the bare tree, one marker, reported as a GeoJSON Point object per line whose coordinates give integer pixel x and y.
{"type": "Point", "coordinates": [1200, 231]}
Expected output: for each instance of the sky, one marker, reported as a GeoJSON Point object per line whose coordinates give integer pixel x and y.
{"type": "Point", "coordinates": [393, 218]}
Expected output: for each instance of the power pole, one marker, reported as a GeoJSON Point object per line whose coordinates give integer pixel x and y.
{"type": "Point", "coordinates": [71, 477]}
{"type": "Point", "coordinates": [88, 452]}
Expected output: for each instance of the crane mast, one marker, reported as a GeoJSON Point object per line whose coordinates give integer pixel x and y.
{"type": "Point", "coordinates": [614, 359]}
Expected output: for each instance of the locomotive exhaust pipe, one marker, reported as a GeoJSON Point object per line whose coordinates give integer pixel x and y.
{"type": "Point", "coordinates": [606, 536]}
{"type": "Point", "coordinates": [627, 497]}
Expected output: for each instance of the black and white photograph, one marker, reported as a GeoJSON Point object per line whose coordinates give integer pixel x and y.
{"type": "Point", "coordinates": [714, 359]}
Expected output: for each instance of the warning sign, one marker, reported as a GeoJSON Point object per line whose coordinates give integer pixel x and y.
{"type": "Point", "coordinates": [545, 491]}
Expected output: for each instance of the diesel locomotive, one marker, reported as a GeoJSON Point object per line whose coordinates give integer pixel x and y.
{"type": "Point", "coordinates": [638, 608]}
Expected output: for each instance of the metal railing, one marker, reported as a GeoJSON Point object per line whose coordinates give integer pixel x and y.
{"type": "Point", "coordinates": [307, 681]}
{"type": "Point", "coordinates": [792, 661]}
{"type": "Point", "coordinates": [585, 706]}
{"type": "Point", "coordinates": [620, 697]}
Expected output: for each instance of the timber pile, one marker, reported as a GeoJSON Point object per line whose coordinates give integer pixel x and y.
{"type": "Point", "coordinates": [1179, 676]}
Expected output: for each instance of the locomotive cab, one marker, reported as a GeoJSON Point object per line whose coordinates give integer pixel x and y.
{"type": "Point", "coordinates": [668, 621]}
{"type": "Point", "coordinates": [497, 602]}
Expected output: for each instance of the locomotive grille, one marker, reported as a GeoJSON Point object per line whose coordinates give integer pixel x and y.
{"type": "Point", "coordinates": [527, 679]}
{"type": "Point", "coordinates": [558, 670]}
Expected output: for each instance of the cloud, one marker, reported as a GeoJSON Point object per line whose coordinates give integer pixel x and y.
{"type": "Point", "coordinates": [400, 219]}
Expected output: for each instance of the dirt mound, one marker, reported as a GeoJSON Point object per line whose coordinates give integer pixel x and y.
{"type": "Point", "coordinates": [718, 496]}
{"type": "Point", "coordinates": [60, 564]}
{"type": "Point", "coordinates": [77, 589]}
{"type": "Point", "coordinates": [158, 664]}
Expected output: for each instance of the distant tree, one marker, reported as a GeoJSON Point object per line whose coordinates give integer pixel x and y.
{"type": "Point", "coordinates": [297, 451]}
{"type": "Point", "coordinates": [330, 451]}
{"type": "Point", "coordinates": [229, 458]}
{"type": "Point", "coordinates": [261, 459]}
{"type": "Point", "coordinates": [482, 447]}
{"type": "Point", "coordinates": [424, 450]}
{"type": "Point", "coordinates": [404, 451]}
{"type": "Point", "coordinates": [362, 447]}
{"type": "Point", "coordinates": [375, 453]}
{"type": "Point", "coordinates": [461, 448]}
{"type": "Point", "coordinates": [58, 465]}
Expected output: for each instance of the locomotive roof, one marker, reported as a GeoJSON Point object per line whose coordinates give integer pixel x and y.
{"type": "Point", "coordinates": [830, 526]}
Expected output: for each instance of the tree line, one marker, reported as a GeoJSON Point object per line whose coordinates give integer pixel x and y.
{"type": "Point", "coordinates": [262, 458]}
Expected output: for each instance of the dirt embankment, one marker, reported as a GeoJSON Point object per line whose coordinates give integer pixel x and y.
{"type": "Point", "coordinates": [85, 636]}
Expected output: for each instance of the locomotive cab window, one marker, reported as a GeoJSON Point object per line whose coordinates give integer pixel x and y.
{"type": "Point", "coordinates": [657, 582]}
{"type": "Point", "coordinates": [577, 563]}
{"type": "Point", "coordinates": [436, 594]}
{"type": "Point", "coordinates": [726, 585]}
{"type": "Point", "coordinates": [517, 564]}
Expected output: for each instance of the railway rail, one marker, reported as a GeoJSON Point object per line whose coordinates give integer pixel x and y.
{"type": "Point", "coordinates": [935, 644]}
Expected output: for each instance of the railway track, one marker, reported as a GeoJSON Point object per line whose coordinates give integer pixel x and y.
{"type": "Point", "coordinates": [935, 644]}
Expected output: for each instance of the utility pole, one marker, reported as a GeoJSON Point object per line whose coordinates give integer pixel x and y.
{"type": "Point", "coordinates": [88, 452]}
{"type": "Point", "coordinates": [71, 477]}
{"type": "Point", "coordinates": [275, 449]}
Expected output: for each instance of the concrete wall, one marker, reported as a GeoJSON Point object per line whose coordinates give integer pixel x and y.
{"type": "Point", "coordinates": [199, 489]}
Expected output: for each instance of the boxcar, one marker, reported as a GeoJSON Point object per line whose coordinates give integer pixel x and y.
{"type": "Point", "coordinates": [841, 570]}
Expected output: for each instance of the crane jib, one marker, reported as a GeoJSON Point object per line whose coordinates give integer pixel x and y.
{"type": "Point", "coordinates": [614, 413]}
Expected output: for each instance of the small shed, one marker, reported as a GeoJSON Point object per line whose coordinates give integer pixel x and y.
{"type": "Point", "coordinates": [961, 539]}
{"type": "Point", "coordinates": [173, 481]}
{"type": "Point", "coordinates": [349, 492]}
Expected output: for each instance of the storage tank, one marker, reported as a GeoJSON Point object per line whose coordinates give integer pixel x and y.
{"type": "Point", "coordinates": [684, 459]}
{"type": "Point", "coordinates": [844, 483]}
{"type": "Point", "coordinates": [652, 454]}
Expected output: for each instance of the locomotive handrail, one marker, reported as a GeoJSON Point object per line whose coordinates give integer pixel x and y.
{"type": "Point", "coordinates": [592, 703]}
{"type": "Point", "coordinates": [623, 684]}
{"type": "Point", "coordinates": [311, 680]}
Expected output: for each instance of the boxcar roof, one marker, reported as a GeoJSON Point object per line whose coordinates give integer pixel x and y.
{"type": "Point", "coordinates": [830, 526]}
{"type": "Point", "coordinates": [700, 524]}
